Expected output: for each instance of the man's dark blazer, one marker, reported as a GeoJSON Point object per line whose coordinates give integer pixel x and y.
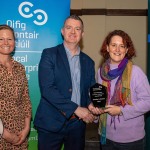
{"type": "Point", "coordinates": [55, 106]}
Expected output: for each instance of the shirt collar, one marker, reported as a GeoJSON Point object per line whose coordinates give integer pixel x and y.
{"type": "Point", "coordinates": [69, 52]}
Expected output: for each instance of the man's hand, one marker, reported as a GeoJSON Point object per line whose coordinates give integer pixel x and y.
{"type": "Point", "coordinates": [95, 110]}
{"type": "Point", "coordinates": [84, 114]}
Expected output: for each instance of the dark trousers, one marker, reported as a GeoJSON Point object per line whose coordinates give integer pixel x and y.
{"type": "Point", "coordinates": [137, 145]}
{"type": "Point", "coordinates": [72, 136]}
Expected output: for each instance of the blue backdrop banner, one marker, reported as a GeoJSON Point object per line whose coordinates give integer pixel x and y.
{"type": "Point", "coordinates": [37, 25]}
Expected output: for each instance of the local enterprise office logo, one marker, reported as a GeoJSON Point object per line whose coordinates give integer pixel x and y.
{"type": "Point", "coordinates": [25, 8]}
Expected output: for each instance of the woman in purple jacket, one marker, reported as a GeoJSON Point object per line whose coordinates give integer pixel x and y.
{"type": "Point", "coordinates": [121, 125]}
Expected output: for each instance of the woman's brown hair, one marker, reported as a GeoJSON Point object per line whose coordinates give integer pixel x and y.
{"type": "Point", "coordinates": [126, 41]}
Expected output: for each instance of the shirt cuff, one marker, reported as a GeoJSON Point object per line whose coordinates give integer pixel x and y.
{"type": "Point", "coordinates": [1, 128]}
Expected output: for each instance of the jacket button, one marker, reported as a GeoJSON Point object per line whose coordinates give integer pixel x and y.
{"type": "Point", "coordinates": [70, 90]}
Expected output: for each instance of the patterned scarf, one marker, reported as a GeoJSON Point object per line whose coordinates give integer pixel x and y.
{"type": "Point", "coordinates": [121, 95]}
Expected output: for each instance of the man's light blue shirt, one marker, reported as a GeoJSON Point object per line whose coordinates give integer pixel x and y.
{"type": "Point", "coordinates": [74, 63]}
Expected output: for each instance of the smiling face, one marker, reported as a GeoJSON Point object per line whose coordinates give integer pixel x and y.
{"type": "Point", "coordinates": [72, 31]}
{"type": "Point", "coordinates": [117, 50]}
{"type": "Point", "coordinates": [7, 42]}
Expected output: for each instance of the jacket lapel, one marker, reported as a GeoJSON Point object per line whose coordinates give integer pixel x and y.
{"type": "Point", "coordinates": [63, 55]}
{"type": "Point", "coordinates": [83, 70]}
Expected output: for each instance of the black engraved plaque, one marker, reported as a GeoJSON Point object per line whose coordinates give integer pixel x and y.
{"type": "Point", "coordinates": [98, 95]}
